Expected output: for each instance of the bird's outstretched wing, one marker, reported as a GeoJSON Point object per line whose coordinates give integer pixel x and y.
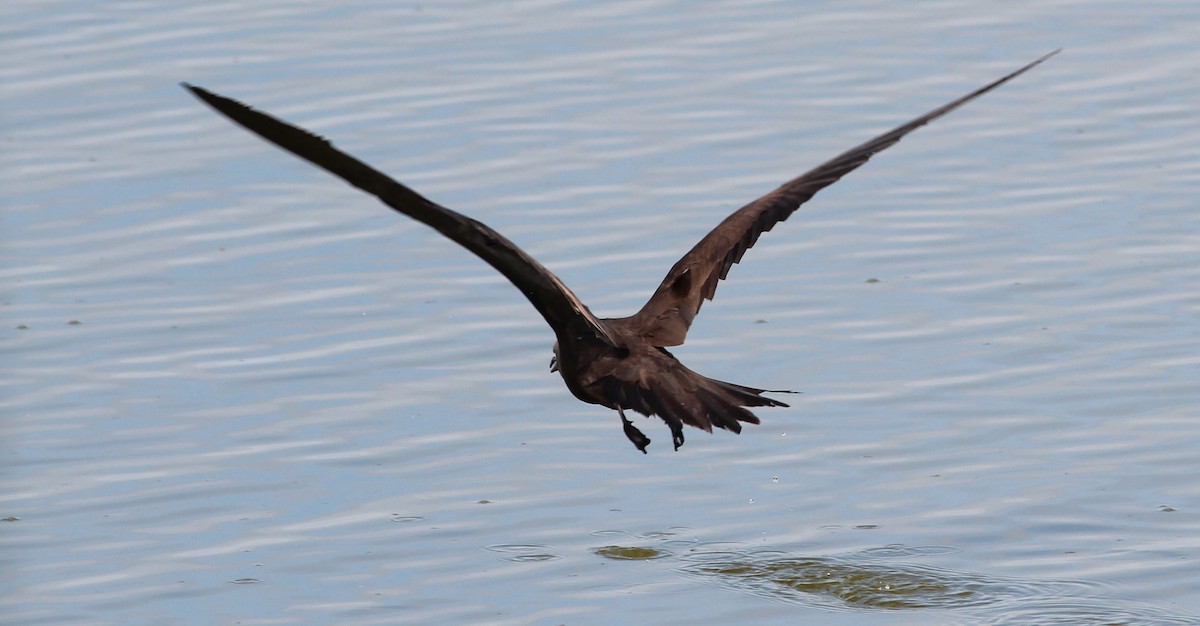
{"type": "Point", "coordinates": [561, 308]}
{"type": "Point", "coordinates": [666, 317]}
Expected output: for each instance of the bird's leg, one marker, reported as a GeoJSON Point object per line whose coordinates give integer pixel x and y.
{"type": "Point", "coordinates": [639, 440]}
{"type": "Point", "coordinates": [676, 433]}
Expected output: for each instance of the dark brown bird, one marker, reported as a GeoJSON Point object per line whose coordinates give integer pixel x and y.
{"type": "Point", "coordinates": [621, 363]}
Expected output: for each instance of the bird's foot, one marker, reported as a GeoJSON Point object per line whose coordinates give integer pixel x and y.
{"type": "Point", "coordinates": [677, 435]}
{"type": "Point", "coordinates": [636, 436]}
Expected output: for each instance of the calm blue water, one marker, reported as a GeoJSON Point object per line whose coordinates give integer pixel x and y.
{"type": "Point", "coordinates": [235, 390]}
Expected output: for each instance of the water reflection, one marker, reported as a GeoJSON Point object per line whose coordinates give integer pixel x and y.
{"type": "Point", "coordinates": [884, 578]}
{"type": "Point", "coordinates": [630, 553]}
{"type": "Point", "coordinates": [862, 580]}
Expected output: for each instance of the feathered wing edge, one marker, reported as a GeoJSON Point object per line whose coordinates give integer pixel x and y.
{"type": "Point", "coordinates": [664, 320]}
{"type": "Point", "coordinates": [557, 304]}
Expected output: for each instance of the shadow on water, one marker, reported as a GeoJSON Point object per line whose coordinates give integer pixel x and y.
{"type": "Point", "coordinates": [877, 579]}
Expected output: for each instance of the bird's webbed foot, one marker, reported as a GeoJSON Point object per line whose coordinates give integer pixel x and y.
{"type": "Point", "coordinates": [639, 440]}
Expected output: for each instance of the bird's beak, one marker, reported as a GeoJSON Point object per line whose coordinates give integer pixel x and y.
{"type": "Point", "coordinates": [554, 363]}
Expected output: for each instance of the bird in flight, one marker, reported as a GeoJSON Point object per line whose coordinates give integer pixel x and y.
{"type": "Point", "coordinates": [621, 363]}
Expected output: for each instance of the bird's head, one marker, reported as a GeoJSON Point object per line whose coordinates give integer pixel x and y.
{"type": "Point", "coordinates": [554, 359]}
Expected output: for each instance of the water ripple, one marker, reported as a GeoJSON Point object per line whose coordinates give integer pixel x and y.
{"type": "Point", "coordinates": [220, 365]}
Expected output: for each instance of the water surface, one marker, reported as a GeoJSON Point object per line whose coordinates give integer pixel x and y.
{"type": "Point", "coordinates": [236, 391]}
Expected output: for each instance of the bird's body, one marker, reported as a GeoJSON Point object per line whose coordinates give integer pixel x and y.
{"type": "Point", "coordinates": [620, 363]}
{"type": "Point", "coordinates": [646, 378]}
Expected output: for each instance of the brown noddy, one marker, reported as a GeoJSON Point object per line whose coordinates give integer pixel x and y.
{"type": "Point", "coordinates": [621, 363]}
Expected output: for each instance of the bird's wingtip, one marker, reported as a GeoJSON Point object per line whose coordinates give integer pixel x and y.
{"type": "Point", "coordinates": [1048, 55]}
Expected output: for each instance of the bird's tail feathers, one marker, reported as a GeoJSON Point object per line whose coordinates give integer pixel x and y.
{"type": "Point", "coordinates": [686, 397]}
